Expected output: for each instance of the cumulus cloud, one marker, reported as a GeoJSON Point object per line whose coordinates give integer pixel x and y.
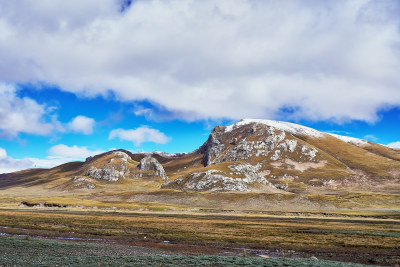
{"type": "Point", "coordinates": [316, 60]}
{"type": "Point", "coordinates": [9, 164]}
{"type": "Point", "coordinates": [71, 152]}
{"type": "Point", "coordinates": [23, 114]}
{"type": "Point", "coordinates": [140, 135]}
{"type": "Point", "coordinates": [394, 145]}
{"type": "Point", "coordinates": [50, 162]}
{"type": "Point", "coordinates": [3, 153]}
{"type": "Point", "coordinates": [371, 137]}
{"type": "Point", "coordinates": [82, 124]}
{"type": "Point", "coordinates": [60, 154]}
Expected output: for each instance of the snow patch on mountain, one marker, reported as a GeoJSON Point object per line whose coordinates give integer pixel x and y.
{"type": "Point", "coordinates": [292, 128]}
{"type": "Point", "coordinates": [350, 140]}
{"type": "Point", "coordinates": [170, 155]}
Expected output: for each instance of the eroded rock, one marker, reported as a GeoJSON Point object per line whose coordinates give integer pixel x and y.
{"type": "Point", "coordinates": [239, 179]}
{"type": "Point", "coordinates": [253, 140]}
{"type": "Point", "coordinates": [83, 182]}
{"type": "Point", "coordinates": [117, 168]}
{"type": "Point", "coordinates": [151, 164]}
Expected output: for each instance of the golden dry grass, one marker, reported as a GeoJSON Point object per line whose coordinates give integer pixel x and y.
{"type": "Point", "coordinates": [258, 232]}
{"type": "Point", "coordinates": [357, 157]}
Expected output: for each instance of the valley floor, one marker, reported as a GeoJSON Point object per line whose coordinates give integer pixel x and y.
{"type": "Point", "coordinates": [49, 236]}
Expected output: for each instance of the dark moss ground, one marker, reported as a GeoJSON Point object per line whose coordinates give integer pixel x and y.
{"type": "Point", "coordinates": [34, 252]}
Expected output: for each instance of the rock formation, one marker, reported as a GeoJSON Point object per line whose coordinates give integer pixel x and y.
{"type": "Point", "coordinates": [149, 163]}
{"type": "Point", "coordinates": [116, 168]}
{"type": "Point", "coordinates": [240, 177]}
{"type": "Point", "coordinates": [254, 140]}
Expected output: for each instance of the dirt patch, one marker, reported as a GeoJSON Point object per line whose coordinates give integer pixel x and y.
{"type": "Point", "coordinates": [395, 173]}
{"type": "Point", "coordinates": [299, 166]}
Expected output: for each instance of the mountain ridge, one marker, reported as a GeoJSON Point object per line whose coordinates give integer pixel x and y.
{"type": "Point", "coordinates": [251, 155]}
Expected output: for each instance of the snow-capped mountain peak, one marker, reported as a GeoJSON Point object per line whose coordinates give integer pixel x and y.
{"type": "Point", "coordinates": [292, 128]}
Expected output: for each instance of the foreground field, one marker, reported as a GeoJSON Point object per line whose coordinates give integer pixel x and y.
{"type": "Point", "coordinates": [363, 237]}
{"type": "Point", "coordinates": [30, 252]}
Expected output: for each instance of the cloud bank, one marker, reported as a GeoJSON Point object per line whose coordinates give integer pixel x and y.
{"type": "Point", "coordinates": [8, 164]}
{"type": "Point", "coordinates": [319, 60]}
{"type": "Point", "coordinates": [394, 145]}
{"type": "Point", "coordinates": [60, 154]}
{"type": "Point", "coordinates": [23, 114]}
{"type": "Point", "coordinates": [73, 152]}
{"type": "Point", "coordinates": [140, 135]}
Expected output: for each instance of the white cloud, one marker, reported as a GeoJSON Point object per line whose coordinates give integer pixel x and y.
{"type": "Point", "coordinates": [82, 124]}
{"type": "Point", "coordinates": [71, 152]}
{"type": "Point", "coordinates": [3, 153]}
{"type": "Point", "coordinates": [8, 164]}
{"type": "Point", "coordinates": [60, 154]}
{"type": "Point", "coordinates": [23, 114]}
{"type": "Point", "coordinates": [371, 138]}
{"type": "Point", "coordinates": [394, 145]}
{"type": "Point", "coordinates": [210, 59]}
{"type": "Point", "coordinates": [50, 162]}
{"type": "Point", "coordinates": [140, 135]}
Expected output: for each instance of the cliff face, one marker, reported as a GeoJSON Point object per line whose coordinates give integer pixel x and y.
{"type": "Point", "coordinates": [227, 144]}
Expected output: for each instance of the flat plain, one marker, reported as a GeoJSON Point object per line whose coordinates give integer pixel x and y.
{"type": "Point", "coordinates": [365, 237]}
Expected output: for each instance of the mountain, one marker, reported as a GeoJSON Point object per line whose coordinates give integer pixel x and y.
{"type": "Point", "coordinates": [265, 155]}
{"type": "Point", "coordinates": [253, 156]}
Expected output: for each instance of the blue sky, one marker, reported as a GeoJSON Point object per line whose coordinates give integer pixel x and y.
{"type": "Point", "coordinates": [78, 77]}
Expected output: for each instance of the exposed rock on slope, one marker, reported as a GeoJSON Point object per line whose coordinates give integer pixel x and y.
{"type": "Point", "coordinates": [83, 182]}
{"type": "Point", "coordinates": [149, 163]}
{"type": "Point", "coordinates": [240, 178]}
{"type": "Point", "coordinates": [233, 143]}
{"type": "Point", "coordinates": [117, 168]}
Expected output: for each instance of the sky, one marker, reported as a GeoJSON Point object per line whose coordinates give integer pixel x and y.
{"type": "Point", "coordinates": [78, 78]}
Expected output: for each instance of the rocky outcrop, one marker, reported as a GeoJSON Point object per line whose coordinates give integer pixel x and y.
{"type": "Point", "coordinates": [227, 144]}
{"type": "Point", "coordinates": [83, 182]}
{"type": "Point", "coordinates": [240, 178]}
{"type": "Point", "coordinates": [149, 163]}
{"type": "Point", "coordinates": [213, 148]}
{"type": "Point", "coordinates": [117, 168]}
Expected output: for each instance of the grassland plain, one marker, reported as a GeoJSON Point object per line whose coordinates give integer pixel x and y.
{"type": "Point", "coordinates": [363, 237]}
{"type": "Point", "coordinates": [29, 252]}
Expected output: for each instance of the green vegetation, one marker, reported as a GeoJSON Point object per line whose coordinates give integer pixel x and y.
{"type": "Point", "coordinates": [33, 252]}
